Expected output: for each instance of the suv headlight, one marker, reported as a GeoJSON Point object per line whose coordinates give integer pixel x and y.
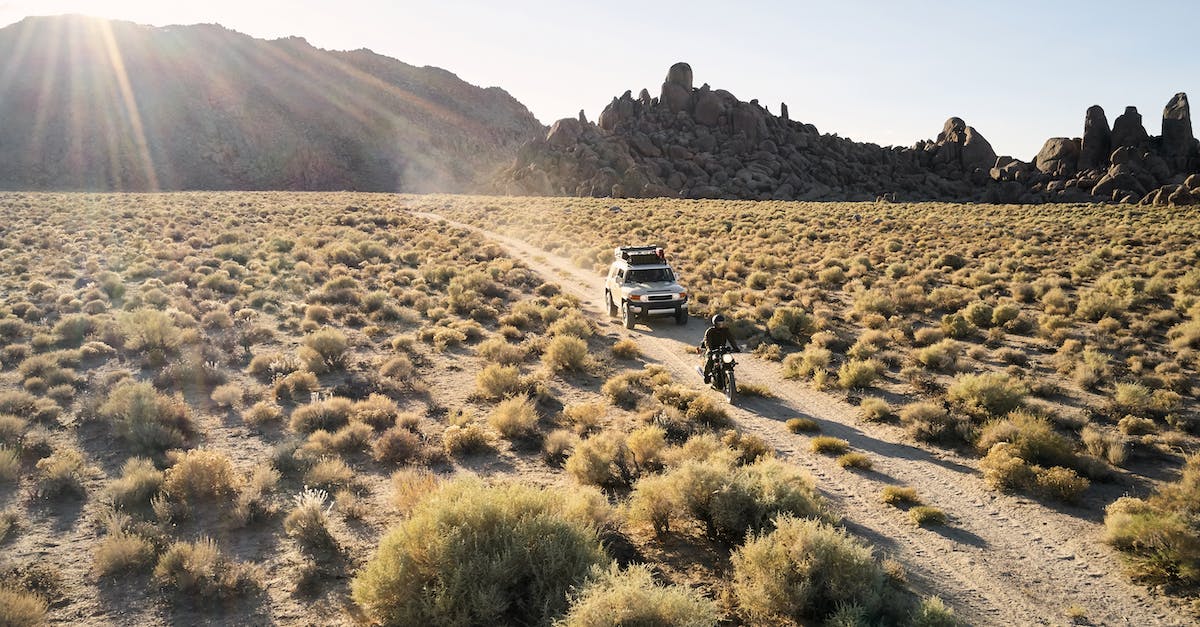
{"type": "Point", "coordinates": [727, 358]}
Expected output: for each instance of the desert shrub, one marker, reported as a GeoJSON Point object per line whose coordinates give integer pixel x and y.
{"type": "Point", "coordinates": [19, 608]}
{"type": "Point", "coordinates": [352, 438]}
{"type": "Point", "coordinates": [61, 473]}
{"type": "Point", "coordinates": [875, 409]}
{"type": "Point", "coordinates": [926, 515]}
{"type": "Point", "coordinates": [899, 495]}
{"type": "Point", "coordinates": [749, 447]}
{"type": "Point", "coordinates": [500, 351]}
{"type": "Point", "coordinates": [228, 395]}
{"type": "Point", "coordinates": [957, 326]}
{"type": "Point", "coordinates": [145, 418]}
{"type": "Point", "coordinates": [858, 373]}
{"type": "Point", "coordinates": [584, 417]}
{"type": "Point", "coordinates": [802, 425]}
{"type": "Point", "coordinates": [828, 444]}
{"type": "Point", "coordinates": [150, 330]}
{"type": "Point", "coordinates": [308, 522]}
{"type": "Point", "coordinates": [514, 418]}
{"type": "Point", "coordinates": [804, 569]}
{"type": "Point", "coordinates": [396, 445]}
{"type": "Point", "coordinates": [573, 324]}
{"type": "Point", "coordinates": [790, 324]}
{"type": "Point", "coordinates": [139, 481]}
{"type": "Point", "coordinates": [602, 460]}
{"type": "Point", "coordinates": [1004, 469]}
{"type": "Point", "coordinates": [988, 394]}
{"type": "Point", "coordinates": [201, 475]}
{"type": "Point", "coordinates": [200, 570]}
{"type": "Point", "coordinates": [1159, 534]}
{"type": "Point", "coordinates": [261, 413]}
{"type": "Point", "coordinates": [1130, 398]}
{"type": "Point", "coordinates": [376, 410]}
{"type": "Point", "coordinates": [12, 429]}
{"type": "Point", "coordinates": [495, 381]}
{"type": "Point", "coordinates": [557, 446]}
{"type": "Point", "coordinates": [856, 460]}
{"type": "Point", "coordinates": [1134, 425]}
{"type": "Point", "coordinates": [1033, 437]}
{"type": "Point", "coordinates": [928, 421]}
{"type": "Point", "coordinates": [645, 446]}
{"type": "Point", "coordinates": [1103, 445]}
{"type": "Point", "coordinates": [942, 356]}
{"type": "Point", "coordinates": [330, 473]}
{"type": "Point", "coordinates": [708, 412]}
{"type": "Point", "coordinates": [10, 465]}
{"type": "Point", "coordinates": [296, 387]}
{"type": "Point", "coordinates": [330, 415]}
{"type": "Point", "coordinates": [326, 350]}
{"type": "Point", "coordinates": [399, 369]}
{"type": "Point", "coordinates": [728, 500]}
{"type": "Point", "coordinates": [466, 439]}
{"type": "Point", "coordinates": [122, 552]}
{"type": "Point", "coordinates": [566, 352]}
{"type": "Point", "coordinates": [626, 349]}
{"type": "Point", "coordinates": [807, 364]}
{"type": "Point", "coordinates": [455, 558]}
{"type": "Point", "coordinates": [613, 598]}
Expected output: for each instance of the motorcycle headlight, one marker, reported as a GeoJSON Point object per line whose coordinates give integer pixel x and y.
{"type": "Point", "coordinates": [727, 358]}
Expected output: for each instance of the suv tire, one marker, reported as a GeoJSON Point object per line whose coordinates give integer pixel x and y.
{"type": "Point", "coordinates": [613, 310]}
{"type": "Point", "coordinates": [681, 317]}
{"type": "Point", "coordinates": [627, 316]}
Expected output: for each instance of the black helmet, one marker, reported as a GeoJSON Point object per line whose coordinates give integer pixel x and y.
{"type": "Point", "coordinates": [717, 319]}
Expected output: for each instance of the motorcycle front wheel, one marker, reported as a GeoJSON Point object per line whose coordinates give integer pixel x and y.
{"type": "Point", "coordinates": [730, 387]}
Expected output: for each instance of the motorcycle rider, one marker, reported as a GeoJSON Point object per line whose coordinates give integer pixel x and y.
{"type": "Point", "coordinates": [717, 336]}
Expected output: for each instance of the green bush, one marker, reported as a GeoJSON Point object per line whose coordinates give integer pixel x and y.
{"type": "Point", "coordinates": [471, 554]}
{"type": "Point", "coordinates": [728, 500]}
{"type": "Point", "coordinates": [616, 598]}
{"type": "Point", "coordinates": [1159, 535]}
{"type": "Point", "coordinates": [145, 418]}
{"type": "Point", "coordinates": [804, 570]}
{"type": "Point", "coordinates": [987, 394]}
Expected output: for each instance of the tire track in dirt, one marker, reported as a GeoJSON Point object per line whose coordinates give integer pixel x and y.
{"type": "Point", "coordinates": [1001, 560]}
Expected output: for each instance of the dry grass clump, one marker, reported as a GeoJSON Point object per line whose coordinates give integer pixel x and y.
{"type": "Point", "coordinates": [602, 460]}
{"type": "Point", "coordinates": [931, 422]}
{"type": "Point", "coordinates": [262, 413]}
{"type": "Point", "coordinates": [855, 460]}
{"type": "Point", "coordinates": [122, 552]}
{"type": "Point", "coordinates": [145, 418]}
{"type": "Point", "coordinates": [585, 417]}
{"type": "Point", "coordinates": [727, 500]}
{"type": "Point", "coordinates": [805, 570]}
{"type": "Point", "coordinates": [500, 351]}
{"type": "Point", "coordinates": [10, 465]}
{"type": "Point", "coordinates": [626, 349]}
{"type": "Point", "coordinates": [925, 515]}
{"type": "Point", "coordinates": [20, 608]}
{"type": "Point", "coordinates": [200, 570]}
{"type": "Point", "coordinates": [397, 445]}
{"type": "Point", "coordinates": [802, 425]}
{"type": "Point", "coordinates": [466, 439]}
{"type": "Point", "coordinates": [324, 351]}
{"type": "Point", "coordinates": [308, 522]}
{"type": "Point", "coordinates": [1158, 534]}
{"type": "Point", "coordinates": [138, 483]}
{"type": "Point", "coordinates": [330, 473]}
{"type": "Point", "coordinates": [875, 409]}
{"type": "Point", "coordinates": [988, 394]}
{"type": "Point", "coordinates": [632, 597]}
{"type": "Point", "coordinates": [829, 445]}
{"type": "Point", "coordinates": [514, 418]}
{"type": "Point", "coordinates": [899, 495]}
{"type": "Point", "coordinates": [62, 473]}
{"type": "Point", "coordinates": [295, 387]}
{"type": "Point", "coordinates": [454, 559]}
{"type": "Point", "coordinates": [496, 382]}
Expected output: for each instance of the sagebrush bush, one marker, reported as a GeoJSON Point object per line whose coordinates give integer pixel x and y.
{"type": "Point", "coordinates": [10, 465]}
{"type": "Point", "coordinates": [138, 483]}
{"type": "Point", "coordinates": [988, 394]}
{"type": "Point", "coordinates": [397, 445]}
{"type": "Point", "coordinates": [899, 495]}
{"type": "Point", "coordinates": [514, 418]}
{"type": "Point", "coordinates": [262, 413]}
{"type": "Point", "coordinates": [330, 473]}
{"type": "Point", "coordinates": [926, 515]}
{"type": "Point", "coordinates": [61, 473]}
{"type": "Point", "coordinates": [201, 475]}
{"type": "Point", "coordinates": [875, 409]}
{"type": "Point", "coordinates": [602, 460]}
{"type": "Point", "coordinates": [466, 439]}
{"type": "Point", "coordinates": [626, 349]}
{"type": "Point", "coordinates": [804, 570]}
{"type": "Point", "coordinates": [1159, 535]}
{"type": "Point", "coordinates": [308, 522]}
{"type": "Point", "coordinates": [329, 414]}
{"type": "Point", "coordinates": [584, 417]}
{"type": "Point", "coordinates": [855, 460]}
{"type": "Point", "coordinates": [145, 418]}
{"type": "Point", "coordinates": [122, 552]}
{"type": "Point", "coordinates": [802, 425]}
{"type": "Point", "coordinates": [496, 382]}
{"type": "Point", "coordinates": [200, 570]}
{"type": "Point", "coordinates": [455, 558]}
{"type": "Point", "coordinates": [566, 352]}
{"type": "Point", "coordinates": [615, 598]}
{"type": "Point", "coordinates": [857, 373]}
{"type": "Point", "coordinates": [828, 444]}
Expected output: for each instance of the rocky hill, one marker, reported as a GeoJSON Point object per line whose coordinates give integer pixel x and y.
{"type": "Point", "coordinates": [706, 143]}
{"type": "Point", "coordinates": [104, 105]}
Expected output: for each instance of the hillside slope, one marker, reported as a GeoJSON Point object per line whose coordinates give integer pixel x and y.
{"type": "Point", "coordinates": [92, 104]}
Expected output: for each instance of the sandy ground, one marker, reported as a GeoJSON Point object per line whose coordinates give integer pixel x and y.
{"type": "Point", "coordinates": [1001, 560]}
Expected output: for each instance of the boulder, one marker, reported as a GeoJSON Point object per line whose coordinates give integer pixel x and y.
{"type": "Point", "coordinates": [1096, 144]}
{"type": "Point", "coordinates": [976, 151]}
{"type": "Point", "coordinates": [1177, 140]}
{"type": "Point", "coordinates": [680, 74]}
{"type": "Point", "coordinates": [618, 111]}
{"type": "Point", "coordinates": [748, 119]}
{"type": "Point", "coordinates": [783, 111]}
{"type": "Point", "coordinates": [1128, 131]}
{"type": "Point", "coordinates": [1122, 182]}
{"type": "Point", "coordinates": [675, 97]}
{"type": "Point", "coordinates": [1059, 157]}
{"type": "Point", "coordinates": [710, 106]}
{"type": "Point", "coordinates": [564, 133]}
{"type": "Point", "coordinates": [1193, 182]}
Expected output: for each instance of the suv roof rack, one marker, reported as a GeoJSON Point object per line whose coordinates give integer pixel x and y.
{"type": "Point", "coordinates": [641, 255]}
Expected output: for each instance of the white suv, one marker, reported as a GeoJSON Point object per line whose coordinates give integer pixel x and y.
{"type": "Point", "coordinates": [641, 283]}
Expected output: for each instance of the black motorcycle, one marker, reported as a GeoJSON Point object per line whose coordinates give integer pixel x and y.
{"type": "Point", "coordinates": [723, 379]}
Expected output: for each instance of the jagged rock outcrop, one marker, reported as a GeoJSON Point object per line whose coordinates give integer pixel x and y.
{"type": "Point", "coordinates": [1096, 144]}
{"type": "Point", "coordinates": [204, 107]}
{"type": "Point", "coordinates": [1178, 144]}
{"type": "Point", "coordinates": [706, 143]}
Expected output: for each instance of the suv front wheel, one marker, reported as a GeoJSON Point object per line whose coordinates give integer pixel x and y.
{"type": "Point", "coordinates": [627, 316]}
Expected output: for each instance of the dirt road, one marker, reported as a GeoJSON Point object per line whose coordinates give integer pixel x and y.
{"type": "Point", "coordinates": [1001, 560]}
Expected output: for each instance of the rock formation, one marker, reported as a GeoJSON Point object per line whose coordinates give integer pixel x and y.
{"type": "Point", "coordinates": [706, 143]}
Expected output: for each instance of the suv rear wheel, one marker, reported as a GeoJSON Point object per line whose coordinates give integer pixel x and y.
{"type": "Point", "coordinates": [612, 307]}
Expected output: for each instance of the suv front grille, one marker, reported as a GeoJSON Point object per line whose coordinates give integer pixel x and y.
{"type": "Point", "coordinates": [663, 297]}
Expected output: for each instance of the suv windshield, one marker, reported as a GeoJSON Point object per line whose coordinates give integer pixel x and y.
{"type": "Point", "coordinates": [653, 275]}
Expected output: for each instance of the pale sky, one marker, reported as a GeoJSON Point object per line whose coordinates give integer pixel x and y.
{"type": "Point", "coordinates": [889, 72]}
